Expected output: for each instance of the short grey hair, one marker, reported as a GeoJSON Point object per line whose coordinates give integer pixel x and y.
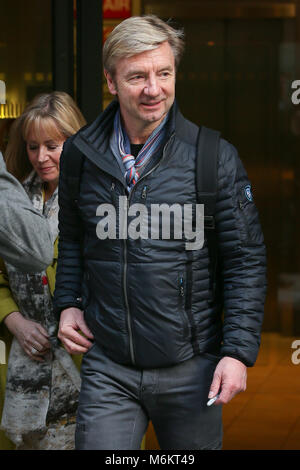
{"type": "Point", "coordinates": [139, 34]}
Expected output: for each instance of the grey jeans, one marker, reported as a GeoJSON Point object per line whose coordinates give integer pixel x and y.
{"type": "Point", "coordinates": [116, 403]}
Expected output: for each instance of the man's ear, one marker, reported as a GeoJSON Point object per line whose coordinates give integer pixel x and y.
{"type": "Point", "coordinates": [110, 83]}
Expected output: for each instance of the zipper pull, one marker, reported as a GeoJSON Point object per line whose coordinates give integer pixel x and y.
{"type": "Point", "coordinates": [181, 286]}
{"type": "Point", "coordinates": [113, 192]}
{"type": "Point", "coordinates": [144, 192]}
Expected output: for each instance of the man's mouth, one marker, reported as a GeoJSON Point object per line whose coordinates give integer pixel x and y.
{"type": "Point", "coordinates": [153, 104]}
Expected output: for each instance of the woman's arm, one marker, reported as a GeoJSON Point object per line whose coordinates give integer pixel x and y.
{"type": "Point", "coordinates": [25, 238]}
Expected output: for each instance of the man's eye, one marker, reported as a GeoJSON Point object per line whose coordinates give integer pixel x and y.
{"type": "Point", "coordinates": [31, 147]}
{"type": "Point", "coordinates": [52, 147]}
{"type": "Point", "coordinates": [137, 77]}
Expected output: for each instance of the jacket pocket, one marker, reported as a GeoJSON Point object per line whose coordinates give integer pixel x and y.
{"type": "Point", "coordinates": [182, 299]}
{"type": "Point", "coordinates": [212, 357]}
{"type": "Point", "coordinates": [248, 215]}
{"type": "Point", "coordinates": [85, 290]}
{"type": "Point", "coordinates": [243, 211]}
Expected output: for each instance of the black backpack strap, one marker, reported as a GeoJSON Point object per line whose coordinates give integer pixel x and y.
{"type": "Point", "coordinates": [207, 189]}
{"type": "Point", "coordinates": [207, 172]}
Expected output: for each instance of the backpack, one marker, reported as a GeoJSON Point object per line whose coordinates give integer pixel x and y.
{"type": "Point", "coordinates": [207, 191]}
{"type": "Point", "coordinates": [206, 184]}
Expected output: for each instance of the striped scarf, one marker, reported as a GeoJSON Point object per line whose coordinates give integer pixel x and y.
{"type": "Point", "coordinates": [134, 166]}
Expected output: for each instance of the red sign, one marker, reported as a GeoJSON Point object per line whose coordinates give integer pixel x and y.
{"type": "Point", "coordinates": [116, 8]}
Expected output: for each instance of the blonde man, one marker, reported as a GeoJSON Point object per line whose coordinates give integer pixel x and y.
{"type": "Point", "coordinates": [160, 351]}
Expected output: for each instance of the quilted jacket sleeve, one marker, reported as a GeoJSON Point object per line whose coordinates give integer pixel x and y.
{"type": "Point", "coordinates": [243, 259]}
{"type": "Point", "coordinates": [69, 265]}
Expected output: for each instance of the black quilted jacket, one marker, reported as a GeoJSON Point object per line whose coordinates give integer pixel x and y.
{"type": "Point", "coordinates": [148, 301]}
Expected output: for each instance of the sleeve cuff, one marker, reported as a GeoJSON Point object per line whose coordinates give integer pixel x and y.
{"type": "Point", "coordinates": [7, 306]}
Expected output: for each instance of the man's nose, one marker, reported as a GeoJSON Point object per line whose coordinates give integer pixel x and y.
{"type": "Point", "coordinates": [152, 87]}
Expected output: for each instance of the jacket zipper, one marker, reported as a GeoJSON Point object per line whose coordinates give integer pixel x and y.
{"type": "Point", "coordinates": [129, 319]}
{"type": "Point", "coordinates": [113, 193]}
{"type": "Point", "coordinates": [131, 348]}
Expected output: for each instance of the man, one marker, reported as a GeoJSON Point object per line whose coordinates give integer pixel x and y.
{"type": "Point", "coordinates": [25, 238]}
{"type": "Point", "coordinates": [141, 307]}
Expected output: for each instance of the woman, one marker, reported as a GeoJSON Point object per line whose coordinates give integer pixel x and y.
{"type": "Point", "coordinates": [42, 382]}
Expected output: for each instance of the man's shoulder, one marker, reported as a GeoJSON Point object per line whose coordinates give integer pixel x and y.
{"type": "Point", "coordinates": [229, 158]}
{"type": "Point", "coordinates": [71, 156]}
{"type": "Point", "coordinates": [94, 131]}
{"type": "Point", "coordinates": [227, 151]}
{"type": "Point", "coordinates": [188, 132]}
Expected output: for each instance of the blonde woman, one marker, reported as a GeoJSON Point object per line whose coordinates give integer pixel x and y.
{"type": "Point", "coordinates": [42, 382]}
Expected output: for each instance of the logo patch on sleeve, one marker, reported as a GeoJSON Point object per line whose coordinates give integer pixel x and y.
{"type": "Point", "coordinates": [248, 193]}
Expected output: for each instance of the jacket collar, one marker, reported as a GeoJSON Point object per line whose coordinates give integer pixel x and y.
{"type": "Point", "coordinates": [93, 139]}
{"type": "Point", "coordinates": [185, 130]}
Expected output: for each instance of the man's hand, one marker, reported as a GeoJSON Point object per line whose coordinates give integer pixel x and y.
{"type": "Point", "coordinates": [71, 322]}
{"type": "Point", "coordinates": [230, 378]}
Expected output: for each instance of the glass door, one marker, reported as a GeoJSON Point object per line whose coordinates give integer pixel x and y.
{"type": "Point", "coordinates": [25, 56]}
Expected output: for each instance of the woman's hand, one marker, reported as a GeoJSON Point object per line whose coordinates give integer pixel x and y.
{"type": "Point", "coordinates": [31, 335]}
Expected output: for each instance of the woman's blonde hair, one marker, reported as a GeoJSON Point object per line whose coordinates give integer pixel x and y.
{"type": "Point", "coordinates": [56, 113]}
{"type": "Point", "coordinates": [140, 34]}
